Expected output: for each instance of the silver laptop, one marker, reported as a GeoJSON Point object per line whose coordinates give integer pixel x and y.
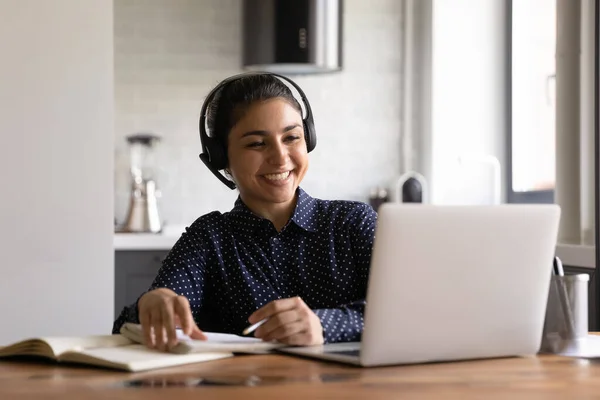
{"type": "Point", "coordinates": [453, 283]}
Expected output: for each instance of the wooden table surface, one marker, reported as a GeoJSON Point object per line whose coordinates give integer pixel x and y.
{"type": "Point", "coordinates": [264, 377]}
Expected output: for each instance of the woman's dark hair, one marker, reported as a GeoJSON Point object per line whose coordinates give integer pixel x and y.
{"type": "Point", "coordinates": [232, 101]}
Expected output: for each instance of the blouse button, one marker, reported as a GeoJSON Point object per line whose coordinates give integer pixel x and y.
{"type": "Point", "coordinates": [275, 241]}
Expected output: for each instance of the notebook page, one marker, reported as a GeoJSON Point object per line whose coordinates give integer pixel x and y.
{"type": "Point", "coordinates": [215, 342]}
{"type": "Point", "coordinates": [229, 343]}
{"type": "Point", "coordinates": [227, 338]}
{"type": "Point", "coordinates": [138, 357]}
{"type": "Point", "coordinates": [135, 332]}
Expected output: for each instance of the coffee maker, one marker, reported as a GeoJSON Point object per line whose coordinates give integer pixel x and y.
{"type": "Point", "coordinates": [142, 215]}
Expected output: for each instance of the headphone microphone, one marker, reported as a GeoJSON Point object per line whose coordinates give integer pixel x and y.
{"type": "Point", "coordinates": [214, 154]}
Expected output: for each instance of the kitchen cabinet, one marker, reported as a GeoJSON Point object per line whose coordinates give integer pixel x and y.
{"type": "Point", "coordinates": [134, 272]}
{"type": "Point", "coordinates": [138, 257]}
{"type": "Point", "coordinates": [136, 266]}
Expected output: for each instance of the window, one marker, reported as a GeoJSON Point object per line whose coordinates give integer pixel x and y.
{"type": "Point", "coordinates": [531, 69]}
{"type": "Point", "coordinates": [596, 190]}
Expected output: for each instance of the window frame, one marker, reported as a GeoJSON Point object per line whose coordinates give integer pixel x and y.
{"type": "Point", "coordinates": [534, 196]}
{"type": "Point", "coordinates": [596, 275]}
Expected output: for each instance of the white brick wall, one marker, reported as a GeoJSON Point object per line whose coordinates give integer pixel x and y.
{"type": "Point", "coordinates": [170, 53]}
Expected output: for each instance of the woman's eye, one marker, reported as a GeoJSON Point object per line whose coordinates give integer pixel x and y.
{"type": "Point", "coordinates": [292, 138]}
{"type": "Point", "coordinates": [255, 144]}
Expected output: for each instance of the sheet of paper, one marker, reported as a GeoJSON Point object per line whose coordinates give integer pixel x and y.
{"type": "Point", "coordinates": [229, 338]}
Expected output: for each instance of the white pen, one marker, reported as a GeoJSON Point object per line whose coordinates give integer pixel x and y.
{"type": "Point", "coordinates": [252, 328]}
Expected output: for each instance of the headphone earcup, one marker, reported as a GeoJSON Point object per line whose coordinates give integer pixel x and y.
{"type": "Point", "coordinates": [310, 135]}
{"type": "Point", "coordinates": [216, 153]}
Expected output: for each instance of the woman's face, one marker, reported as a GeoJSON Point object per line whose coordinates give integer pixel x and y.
{"type": "Point", "coordinates": [267, 153]}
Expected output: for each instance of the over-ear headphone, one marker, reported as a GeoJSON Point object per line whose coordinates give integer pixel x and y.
{"type": "Point", "coordinates": [214, 154]}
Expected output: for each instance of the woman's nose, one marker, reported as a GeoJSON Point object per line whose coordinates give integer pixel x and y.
{"type": "Point", "coordinates": [277, 154]}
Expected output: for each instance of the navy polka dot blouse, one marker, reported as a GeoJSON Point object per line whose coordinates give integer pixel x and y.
{"type": "Point", "coordinates": [229, 265]}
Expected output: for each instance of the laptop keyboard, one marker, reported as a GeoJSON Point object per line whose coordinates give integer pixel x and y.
{"type": "Point", "coordinates": [355, 352]}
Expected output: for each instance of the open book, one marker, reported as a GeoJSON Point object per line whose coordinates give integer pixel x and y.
{"type": "Point", "coordinates": [110, 351]}
{"type": "Point", "coordinates": [216, 342]}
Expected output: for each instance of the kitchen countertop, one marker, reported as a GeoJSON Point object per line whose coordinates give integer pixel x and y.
{"type": "Point", "coordinates": [571, 255]}
{"type": "Point", "coordinates": [148, 241]}
{"type": "Point", "coordinates": [576, 255]}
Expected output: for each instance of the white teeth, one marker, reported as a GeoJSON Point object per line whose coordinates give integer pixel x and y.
{"type": "Point", "coordinates": [277, 177]}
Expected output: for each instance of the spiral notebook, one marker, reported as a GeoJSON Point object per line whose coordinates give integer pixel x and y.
{"type": "Point", "coordinates": [216, 342]}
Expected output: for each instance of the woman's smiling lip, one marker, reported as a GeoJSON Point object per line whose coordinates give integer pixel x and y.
{"type": "Point", "coordinates": [278, 178]}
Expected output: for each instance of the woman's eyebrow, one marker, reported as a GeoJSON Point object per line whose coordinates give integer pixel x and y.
{"type": "Point", "coordinates": [265, 133]}
{"type": "Point", "coordinates": [290, 127]}
{"type": "Point", "coordinates": [257, 133]}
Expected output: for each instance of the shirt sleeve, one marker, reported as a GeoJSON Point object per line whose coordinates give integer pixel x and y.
{"type": "Point", "coordinates": [182, 271]}
{"type": "Point", "coordinates": [345, 323]}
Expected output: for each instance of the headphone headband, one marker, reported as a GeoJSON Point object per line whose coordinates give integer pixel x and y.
{"type": "Point", "coordinates": [214, 155]}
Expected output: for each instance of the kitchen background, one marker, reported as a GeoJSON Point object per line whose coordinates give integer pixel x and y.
{"type": "Point", "coordinates": [59, 64]}
{"type": "Point", "coordinates": [170, 53]}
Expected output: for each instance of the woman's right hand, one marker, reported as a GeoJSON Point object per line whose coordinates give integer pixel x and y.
{"type": "Point", "coordinates": [160, 311]}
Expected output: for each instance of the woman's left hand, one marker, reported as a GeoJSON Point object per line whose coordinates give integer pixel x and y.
{"type": "Point", "coordinates": [290, 321]}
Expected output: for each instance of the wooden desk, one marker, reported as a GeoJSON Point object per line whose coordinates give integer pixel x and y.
{"type": "Point", "coordinates": [282, 377]}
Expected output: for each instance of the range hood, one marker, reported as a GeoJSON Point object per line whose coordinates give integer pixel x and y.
{"type": "Point", "coordinates": [292, 36]}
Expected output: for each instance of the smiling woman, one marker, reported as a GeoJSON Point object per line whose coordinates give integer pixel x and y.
{"type": "Point", "coordinates": [281, 256]}
{"type": "Point", "coordinates": [268, 158]}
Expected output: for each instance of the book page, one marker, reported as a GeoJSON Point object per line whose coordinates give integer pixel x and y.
{"type": "Point", "coordinates": [62, 344]}
{"type": "Point", "coordinates": [29, 347]}
{"type": "Point", "coordinates": [52, 347]}
{"type": "Point", "coordinates": [136, 357]}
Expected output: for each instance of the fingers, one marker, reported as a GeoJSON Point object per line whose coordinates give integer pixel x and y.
{"type": "Point", "coordinates": [168, 323]}
{"type": "Point", "coordinates": [181, 308]}
{"type": "Point", "coordinates": [282, 332]}
{"type": "Point", "coordinates": [276, 322]}
{"type": "Point", "coordinates": [275, 307]}
{"type": "Point", "coordinates": [160, 313]}
{"type": "Point", "coordinates": [156, 328]}
{"type": "Point", "coordinates": [177, 322]}
{"type": "Point", "coordinates": [304, 338]}
{"type": "Point", "coordinates": [147, 329]}
{"type": "Point", "coordinates": [197, 334]}
{"type": "Point", "coordinates": [186, 320]}
{"type": "Point", "coordinates": [289, 321]}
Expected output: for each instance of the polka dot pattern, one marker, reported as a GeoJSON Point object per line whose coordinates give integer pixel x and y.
{"type": "Point", "coordinates": [229, 265]}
